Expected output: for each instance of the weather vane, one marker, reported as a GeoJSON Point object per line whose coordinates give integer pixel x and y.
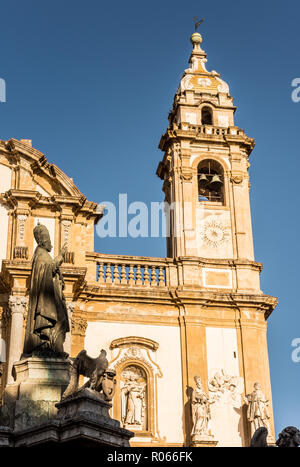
{"type": "Point", "coordinates": [197, 23]}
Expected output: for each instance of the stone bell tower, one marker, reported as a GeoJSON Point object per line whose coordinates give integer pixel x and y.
{"type": "Point", "coordinates": [206, 182]}
{"type": "Point", "coordinates": [205, 168]}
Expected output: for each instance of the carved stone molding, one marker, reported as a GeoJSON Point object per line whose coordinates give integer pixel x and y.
{"type": "Point", "coordinates": [21, 219]}
{"type": "Point", "coordinates": [134, 340]}
{"type": "Point", "coordinates": [65, 230]}
{"type": "Point", "coordinates": [78, 325]}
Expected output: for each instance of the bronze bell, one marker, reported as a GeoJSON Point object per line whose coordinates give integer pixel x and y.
{"type": "Point", "coordinates": [215, 183]}
{"type": "Point", "coordinates": [203, 181]}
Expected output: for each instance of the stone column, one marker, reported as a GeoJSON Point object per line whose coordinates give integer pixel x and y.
{"type": "Point", "coordinates": [67, 343]}
{"type": "Point", "coordinates": [17, 306]}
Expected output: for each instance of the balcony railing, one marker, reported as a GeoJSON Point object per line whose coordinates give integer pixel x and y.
{"type": "Point", "coordinates": [212, 130]}
{"type": "Point", "coordinates": [131, 271]}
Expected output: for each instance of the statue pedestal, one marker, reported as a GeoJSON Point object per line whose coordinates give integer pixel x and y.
{"type": "Point", "coordinates": [39, 384]}
{"type": "Point", "coordinates": [203, 441]}
{"type": "Point", "coordinates": [82, 420]}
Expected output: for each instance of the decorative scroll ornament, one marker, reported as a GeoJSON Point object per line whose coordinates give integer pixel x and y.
{"type": "Point", "coordinates": [237, 179]}
{"type": "Point", "coordinates": [187, 175]}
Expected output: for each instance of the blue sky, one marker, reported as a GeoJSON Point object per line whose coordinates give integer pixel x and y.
{"type": "Point", "coordinates": [91, 83]}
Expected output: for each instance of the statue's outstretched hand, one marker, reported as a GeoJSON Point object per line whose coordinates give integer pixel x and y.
{"type": "Point", "coordinates": [64, 249]}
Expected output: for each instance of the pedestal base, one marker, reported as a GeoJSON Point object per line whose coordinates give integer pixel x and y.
{"type": "Point", "coordinates": [203, 441]}
{"type": "Point", "coordinates": [82, 421]}
{"type": "Point", "coordinates": [39, 384]}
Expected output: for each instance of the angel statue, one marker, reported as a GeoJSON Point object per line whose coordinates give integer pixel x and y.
{"type": "Point", "coordinates": [257, 414]}
{"type": "Point", "coordinates": [200, 409]}
{"type": "Point", "coordinates": [101, 378]}
{"type": "Point", "coordinates": [47, 322]}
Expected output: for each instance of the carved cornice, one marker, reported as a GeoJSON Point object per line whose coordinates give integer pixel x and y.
{"type": "Point", "coordinates": [134, 340]}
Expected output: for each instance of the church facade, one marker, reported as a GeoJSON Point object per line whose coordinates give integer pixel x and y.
{"type": "Point", "coordinates": [199, 312]}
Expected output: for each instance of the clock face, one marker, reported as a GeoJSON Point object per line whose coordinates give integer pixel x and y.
{"type": "Point", "coordinates": [214, 234]}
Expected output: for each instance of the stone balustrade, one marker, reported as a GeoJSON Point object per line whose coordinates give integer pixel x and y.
{"type": "Point", "coordinates": [131, 271]}
{"type": "Point", "coordinates": [212, 130]}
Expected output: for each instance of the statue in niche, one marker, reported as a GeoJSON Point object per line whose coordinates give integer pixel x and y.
{"type": "Point", "coordinates": [200, 409]}
{"type": "Point", "coordinates": [133, 394]}
{"type": "Point", "coordinates": [47, 321]}
{"type": "Point", "coordinates": [257, 414]}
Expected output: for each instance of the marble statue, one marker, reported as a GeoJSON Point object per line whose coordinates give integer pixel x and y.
{"type": "Point", "coordinates": [133, 395]}
{"type": "Point", "coordinates": [101, 378]}
{"type": "Point", "coordinates": [289, 438]}
{"type": "Point", "coordinates": [47, 321]}
{"type": "Point", "coordinates": [257, 413]}
{"type": "Point", "coordinates": [200, 409]}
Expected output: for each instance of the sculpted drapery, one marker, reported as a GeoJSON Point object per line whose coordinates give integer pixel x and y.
{"type": "Point", "coordinates": [47, 321]}
{"type": "Point", "coordinates": [257, 414]}
{"type": "Point", "coordinates": [200, 409]}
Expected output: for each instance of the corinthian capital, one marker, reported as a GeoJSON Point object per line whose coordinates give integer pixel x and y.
{"type": "Point", "coordinates": [18, 304]}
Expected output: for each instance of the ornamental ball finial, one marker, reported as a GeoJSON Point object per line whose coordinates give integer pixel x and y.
{"type": "Point", "coordinates": [196, 38]}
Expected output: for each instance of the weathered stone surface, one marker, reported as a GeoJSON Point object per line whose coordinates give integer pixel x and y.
{"type": "Point", "coordinates": [5, 437]}
{"type": "Point", "coordinates": [82, 420]}
{"type": "Point", "coordinates": [31, 399]}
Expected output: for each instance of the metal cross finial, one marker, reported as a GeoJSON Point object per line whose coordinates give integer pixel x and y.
{"type": "Point", "coordinates": [197, 23]}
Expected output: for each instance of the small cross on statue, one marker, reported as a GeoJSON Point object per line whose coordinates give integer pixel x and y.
{"type": "Point", "coordinates": [197, 23]}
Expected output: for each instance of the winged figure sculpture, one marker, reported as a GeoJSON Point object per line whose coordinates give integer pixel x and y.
{"type": "Point", "coordinates": [101, 378]}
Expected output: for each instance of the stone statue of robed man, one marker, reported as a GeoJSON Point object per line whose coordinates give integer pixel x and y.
{"type": "Point", "coordinates": [47, 321]}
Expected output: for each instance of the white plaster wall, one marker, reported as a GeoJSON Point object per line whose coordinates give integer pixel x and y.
{"type": "Point", "coordinates": [41, 190]}
{"type": "Point", "coordinates": [2, 350]}
{"type": "Point", "coordinates": [226, 414]}
{"type": "Point", "coordinates": [169, 388]}
{"type": "Point", "coordinates": [48, 222]}
{"type": "Point", "coordinates": [3, 232]}
{"type": "Point", "coordinates": [221, 344]}
{"type": "Point", "coordinates": [5, 178]}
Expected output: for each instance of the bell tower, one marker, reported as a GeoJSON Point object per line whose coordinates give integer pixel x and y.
{"type": "Point", "coordinates": [205, 168]}
{"type": "Point", "coordinates": [206, 184]}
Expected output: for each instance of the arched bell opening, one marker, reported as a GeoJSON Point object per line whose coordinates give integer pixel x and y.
{"type": "Point", "coordinates": [206, 116]}
{"type": "Point", "coordinates": [210, 181]}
